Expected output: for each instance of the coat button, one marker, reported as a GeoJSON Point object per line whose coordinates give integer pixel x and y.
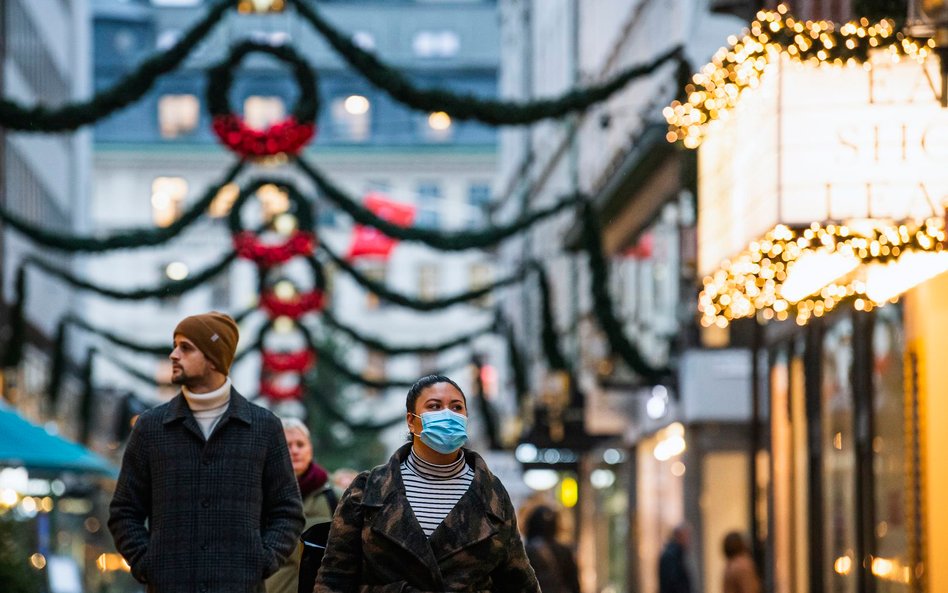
{"type": "Point", "coordinates": [203, 588]}
{"type": "Point", "coordinates": [207, 461]}
{"type": "Point", "coordinates": [205, 503]}
{"type": "Point", "coordinates": [204, 547]}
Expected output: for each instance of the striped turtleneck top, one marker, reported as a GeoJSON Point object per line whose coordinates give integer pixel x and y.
{"type": "Point", "coordinates": [433, 490]}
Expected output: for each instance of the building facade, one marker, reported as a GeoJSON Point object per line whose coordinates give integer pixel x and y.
{"type": "Point", "coordinates": [46, 59]}
{"type": "Point", "coordinates": [645, 455]}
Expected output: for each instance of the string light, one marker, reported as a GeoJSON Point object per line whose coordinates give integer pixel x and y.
{"type": "Point", "coordinates": [756, 281]}
{"type": "Point", "coordinates": [717, 87]}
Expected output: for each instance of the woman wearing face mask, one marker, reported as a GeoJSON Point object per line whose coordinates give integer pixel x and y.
{"type": "Point", "coordinates": [433, 519]}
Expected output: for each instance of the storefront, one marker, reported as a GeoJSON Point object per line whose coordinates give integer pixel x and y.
{"type": "Point", "coordinates": [822, 194]}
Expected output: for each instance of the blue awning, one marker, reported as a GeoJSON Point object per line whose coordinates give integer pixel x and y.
{"type": "Point", "coordinates": [25, 444]}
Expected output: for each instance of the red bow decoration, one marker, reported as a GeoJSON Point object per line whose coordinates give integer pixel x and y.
{"type": "Point", "coordinates": [248, 246]}
{"type": "Point", "coordinates": [295, 308]}
{"type": "Point", "coordinates": [369, 241]}
{"type": "Point", "coordinates": [284, 137]}
{"type": "Point", "coordinates": [282, 362]}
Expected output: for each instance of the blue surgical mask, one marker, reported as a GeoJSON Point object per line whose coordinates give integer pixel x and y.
{"type": "Point", "coordinates": [444, 431]}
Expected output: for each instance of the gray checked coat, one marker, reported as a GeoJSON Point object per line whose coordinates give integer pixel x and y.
{"type": "Point", "coordinates": [376, 544]}
{"type": "Point", "coordinates": [206, 516]}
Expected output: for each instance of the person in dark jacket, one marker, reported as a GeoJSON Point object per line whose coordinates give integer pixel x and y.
{"type": "Point", "coordinates": [206, 499]}
{"type": "Point", "coordinates": [552, 561]}
{"type": "Point", "coordinates": [319, 500]}
{"type": "Point", "coordinates": [673, 575]}
{"type": "Point", "coordinates": [434, 518]}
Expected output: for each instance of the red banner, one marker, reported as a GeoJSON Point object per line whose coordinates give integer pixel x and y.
{"type": "Point", "coordinates": [370, 242]}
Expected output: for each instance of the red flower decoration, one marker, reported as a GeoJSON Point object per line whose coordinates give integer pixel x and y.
{"type": "Point", "coordinates": [272, 392]}
{"type": "Point", "coordinates": [282, 362]}
{"type": "Point", "coordinates": [248, 246]}
{"type": "Point", "coordinates": [284, 137]}
{"type": "Point", "coordinates": [295, 308]}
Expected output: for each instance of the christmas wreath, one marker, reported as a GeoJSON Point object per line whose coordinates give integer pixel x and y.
{"type": "Point", "coordinates": [288, 136]}
{"type": "Point", "coordinates": [301, 241]}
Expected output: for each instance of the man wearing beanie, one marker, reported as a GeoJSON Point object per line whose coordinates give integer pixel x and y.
{"type": "Point", "coordinates": [206, 500]}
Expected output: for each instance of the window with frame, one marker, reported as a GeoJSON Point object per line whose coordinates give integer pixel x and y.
{"type": "Point", "coordinates": [478, 201]}
{"type": "Point", "coordinates": [178, 115]}
{"type": "Point", "coordinates": [479, 276]}
{"type": "Point", "coordinates": [351, 118]}
{"type": "Point", "coordinates": [428, 281]}
{"type": "Point", "coordinates": [374, 370]}
{"type": "Point", "coordinates": [436, 44]}
{"type": "Point", "coordinates": [428, 213]}
{"type": "Point", "coordinates": [260, 112]}
{"type": "Point", "coordinates": [427, 364]}
{"type": "Point", "coordinates": [374, 270]}
{"type": "Point", "coordinates": [167, 195]}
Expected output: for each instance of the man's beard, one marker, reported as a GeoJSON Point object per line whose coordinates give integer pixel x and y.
{"type": "Point", "coordinates": [181, 378]}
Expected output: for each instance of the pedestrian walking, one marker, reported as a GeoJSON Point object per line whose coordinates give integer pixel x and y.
{"type": "Point", "coordinates": [740, 573]}
{"type": "Point", "coordinates": [319, 500]}
{"type": "Point", "coordinates": [206, 499]}
{"type": "Point", "coordinates": [434, 518]}
{"type": "Point", "coordinates": [552, 562]}
{"type": "Point", "coordinates": [673, 574]}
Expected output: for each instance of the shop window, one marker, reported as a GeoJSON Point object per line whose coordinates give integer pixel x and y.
{"type": "Point", "coordinates": [167, 195]}
{"type": "Point", "coordinates": [178, 115]}
{"type": "Point", "coordinates": [839, 460]}
{"type": "Point", "coordinates": [261, 112]}
{"type": "Point", "coordinates": [892, 567]}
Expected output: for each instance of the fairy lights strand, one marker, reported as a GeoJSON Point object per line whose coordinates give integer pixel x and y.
{"type": "Point", "coordinates": [718, 86]}
{"type": "Point", "coordinates": [753, 282]}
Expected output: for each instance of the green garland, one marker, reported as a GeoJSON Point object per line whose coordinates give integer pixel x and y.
{"type": "Point", "coordinates": [131, 88]}
{"type": "Point", "coordinates": [603, 306]}
{"type": "Point", "coordinates": [220, 78]}
{"type": "Point", "coordinates": [517, 366]}
{"type": "Point", "coordinates": [88, 397]}
{"type": "Point", "coordinates": [125, 239]}
{"type": "Point", "coordinates": [14, 350]}
{"type": "Point", "coordinates": [465, 107]}
{"type": "Point", "coordinates": [375, 344]}
{"type": "Point", "coordinates": [551, 347]}
{"type": "Point", "coordinates": [456, 241]}
{"type": "Point", "coordinates": [172, 288]}
{"type": "Point", "coordinates": [58, 365]}
{"type": "Point", "coordinates": [402, 300]}
{"type": "Point", "coordinates": [488, 412]}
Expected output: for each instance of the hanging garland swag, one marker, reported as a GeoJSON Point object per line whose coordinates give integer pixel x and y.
{"type": "Point", "coordinates": [285, 137]}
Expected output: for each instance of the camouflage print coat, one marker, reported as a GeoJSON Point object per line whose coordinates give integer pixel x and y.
{"type": "Point", "coordinates": [376, 544]}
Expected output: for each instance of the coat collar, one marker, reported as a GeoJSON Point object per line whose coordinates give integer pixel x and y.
{"type": "Point", "coordinates": [384, 488]}
{"type": "Point", "coordinates": [238, 409]}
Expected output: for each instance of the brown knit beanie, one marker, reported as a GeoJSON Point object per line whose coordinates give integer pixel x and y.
{"type": "Point", "coordinates": [215, 334]}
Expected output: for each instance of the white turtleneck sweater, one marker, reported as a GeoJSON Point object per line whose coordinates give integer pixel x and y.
{"type": "Point", "coordinates": [208, 408]}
